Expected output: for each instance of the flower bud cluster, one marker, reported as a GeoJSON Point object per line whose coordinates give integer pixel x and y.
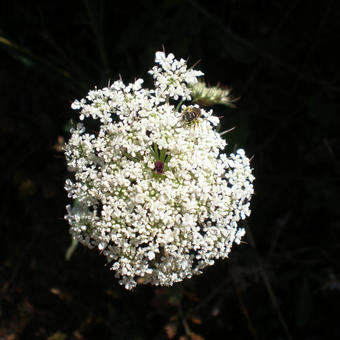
{"type": "Point", "coordinates": [206, 96]}
{"type": "Point", "coordinates": [152, 191]}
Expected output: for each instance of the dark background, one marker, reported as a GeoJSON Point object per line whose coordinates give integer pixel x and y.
{"type": "Point", "coordinates": [281, 59]}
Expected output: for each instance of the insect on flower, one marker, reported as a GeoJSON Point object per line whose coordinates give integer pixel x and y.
{"type": "Point", "coordinates": [191, 114]}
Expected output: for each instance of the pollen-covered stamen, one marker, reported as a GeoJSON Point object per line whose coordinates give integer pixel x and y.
{"type": "Point", "coordinates": [159, 167]}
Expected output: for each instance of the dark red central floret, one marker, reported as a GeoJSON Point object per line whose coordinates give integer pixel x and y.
{"type": "Point", "coordinates": [159, 167]}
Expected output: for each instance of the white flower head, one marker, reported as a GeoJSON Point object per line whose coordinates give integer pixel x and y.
{"type": "Point", "coordinates": [173, 76]}
{"type": "Point", "coordinates": [152, 188]}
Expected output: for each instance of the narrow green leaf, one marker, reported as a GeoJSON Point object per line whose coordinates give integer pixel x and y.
{"type": "Point", "coordinates": [156, 151]}
{"type": "Point", "coordinates": [179, 105]}
{"type": "Point", "coordinates": [162, 155]}
{"type": "Point", "coordinates": [71, 249]}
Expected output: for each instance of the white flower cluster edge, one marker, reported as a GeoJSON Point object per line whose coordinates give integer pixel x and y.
{"type": "Point", "coordinates": [163, 226]}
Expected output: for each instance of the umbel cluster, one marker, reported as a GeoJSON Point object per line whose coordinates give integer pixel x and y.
{"type": "Point", "coordinates": [152, 188]}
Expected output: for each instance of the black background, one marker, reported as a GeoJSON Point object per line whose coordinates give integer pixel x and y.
{"type": "Point", "coordinates": [281, 59]}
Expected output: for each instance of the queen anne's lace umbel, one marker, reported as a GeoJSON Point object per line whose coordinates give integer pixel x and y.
{"type": "Point", "coordinates": [152, 188]}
